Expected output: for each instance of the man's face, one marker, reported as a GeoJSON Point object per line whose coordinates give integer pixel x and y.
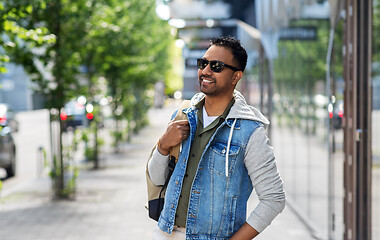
{"type": "Point", "coordinates": [214, 83]}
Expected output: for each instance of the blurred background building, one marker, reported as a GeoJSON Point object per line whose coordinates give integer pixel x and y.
{"type": "Point", "coordinates": [314, 71]}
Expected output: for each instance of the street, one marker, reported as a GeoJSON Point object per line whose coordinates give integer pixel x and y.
{"type": "Point", "coordinates": [109, 202]}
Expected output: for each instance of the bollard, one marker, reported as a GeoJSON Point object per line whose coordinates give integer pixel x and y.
{"type": "Point", "coordinates": [41, 160]}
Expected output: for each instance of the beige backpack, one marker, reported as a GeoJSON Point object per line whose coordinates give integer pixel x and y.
{"type": "Point", "coordinates": [156, 194]}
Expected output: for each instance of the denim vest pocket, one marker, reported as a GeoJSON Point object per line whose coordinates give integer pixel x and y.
{"type": "Point", "coordinates": [217, 163]}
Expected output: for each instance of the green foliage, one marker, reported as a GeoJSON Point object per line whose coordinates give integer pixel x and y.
{"type": "Point", "coordinates": [135, 57]}
{"type": "Point", "coordinates": [89, 153]}
{"type": "Point", "coordinates": [297, 70]}
{"type": "Point", "coordinates": [91, 48]}
{"type": "Point", "coordinates": [61, 19]}
{"type": "Point", "coordinates": [117, 136]}
{"type": "Point", "coordinates": [65, 189]}
{"type": "Point", "coordinates": [70, 178]}
{"type": "Point", "coordinates": [376, 38]}
{"type": "Point", "coordinates": [300, 74]}
{"type": "Point", "coordinates": [16, 34]}
{"type": "Point", "coordinates": [302, 62]}
{"type": "Point", "coordinates": [54, 172]}
{"type": "Point", "coordinates": [85, 137]}
{"type": "Point", "coordinates": [173, 78]}
{"type": "Point", "coordinates": [92, 151]}
{"type": "Point", "coordinates": [123, 41]}
{"type": "Point", "coordinates": [70, 186]}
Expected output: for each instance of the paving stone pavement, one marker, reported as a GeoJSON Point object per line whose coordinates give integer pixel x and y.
{"type": "Point", "coordinates": [109, 203]}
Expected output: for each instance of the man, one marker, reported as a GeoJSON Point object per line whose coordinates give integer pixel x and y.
{"type": "Point", "coordinates": [225, 154]}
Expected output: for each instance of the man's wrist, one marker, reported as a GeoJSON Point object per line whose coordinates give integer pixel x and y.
{"type": "Point", "coordinates": [162, 150]}
{"type": "Point", "coordinates": [246, 231]}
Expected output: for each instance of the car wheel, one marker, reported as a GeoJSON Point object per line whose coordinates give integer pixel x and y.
{"type": "Point", "coordinates": [11, 170]}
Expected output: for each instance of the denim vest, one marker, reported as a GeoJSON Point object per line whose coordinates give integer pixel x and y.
{"type": "Point", "coordinates": [218, 201]}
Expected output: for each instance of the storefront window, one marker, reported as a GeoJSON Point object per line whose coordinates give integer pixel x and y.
{"type": "Point", "coordinates": [307, 127]}
{"type": "Point", "coordinates": [376, 120]}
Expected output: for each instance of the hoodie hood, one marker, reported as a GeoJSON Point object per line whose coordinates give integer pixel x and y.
{"type": "Point", "coordinates": [240, 109]}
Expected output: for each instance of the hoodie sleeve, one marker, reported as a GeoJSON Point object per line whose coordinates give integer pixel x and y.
{"type": "Point", "coordinates": [266, 180]}
{"type": "Point", "coordinates": [158, 167]}
{"type": "Point", "coordinates": [158, 164]}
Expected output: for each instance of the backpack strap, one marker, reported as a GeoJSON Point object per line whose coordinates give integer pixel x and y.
{"type": "Point", "coordinates": [156, 193]}
{"type": "Point", "coordinates": [174, 152]}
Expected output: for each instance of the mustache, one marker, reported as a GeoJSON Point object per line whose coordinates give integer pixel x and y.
{"type": "Point", "coordinates": [205, 76]}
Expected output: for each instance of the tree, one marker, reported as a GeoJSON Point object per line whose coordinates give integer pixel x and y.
{"type": "Point", "coordinates": [55, 71]}
{"type": "Point", "coordinates": [136, 57]}
{"type": "Point", "coordinates": [16, 38]}
{"type": "Point", "coordinates": [123, 42]}
{"type": "Point", "coordinates": [300, 65]}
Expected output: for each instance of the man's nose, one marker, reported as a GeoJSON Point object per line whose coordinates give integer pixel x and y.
{"type": "Point", "coordinates": [207, 70]}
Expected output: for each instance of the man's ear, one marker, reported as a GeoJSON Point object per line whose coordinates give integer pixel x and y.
{"type": "Point", "coordinates": [236, 77]}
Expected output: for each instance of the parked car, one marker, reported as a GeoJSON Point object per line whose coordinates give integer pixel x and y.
{"type": "Point", "coordinates": [73, 115]}
{"type": "Point", "coordinates": [8, 124]}
{"type": "Point", "coordinates": [337, 114]}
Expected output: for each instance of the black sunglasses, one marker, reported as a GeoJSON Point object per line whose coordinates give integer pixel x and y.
{"type": "Point", "coordinates": [215, 66]}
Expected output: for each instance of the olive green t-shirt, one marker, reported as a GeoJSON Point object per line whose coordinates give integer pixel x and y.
{"type": "Point", "coordinates": [201, 139]}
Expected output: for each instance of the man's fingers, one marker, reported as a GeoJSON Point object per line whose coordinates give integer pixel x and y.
{"type": "Point", "coordinates": [182, 125]}
{"type": "Point", "coordinates": [181, 122]}
{"type": "Point", "coordinates": [183, 128]}
{"type": "Point", "coordinates": [185, 135]}
{"type": "Point", "coordinates": [178, 131]}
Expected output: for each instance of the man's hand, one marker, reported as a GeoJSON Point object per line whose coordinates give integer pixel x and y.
{"type": "Point", "coordinates": [176, 132]}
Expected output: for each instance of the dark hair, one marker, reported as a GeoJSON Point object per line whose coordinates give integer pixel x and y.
{"type": "Point", "coordinates": [239, 53]}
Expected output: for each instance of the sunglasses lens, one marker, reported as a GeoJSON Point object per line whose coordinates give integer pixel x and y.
{"type": "Point", "coordinates": [202, 63]}
{"type": "Point", "coordinates": [216, 66]}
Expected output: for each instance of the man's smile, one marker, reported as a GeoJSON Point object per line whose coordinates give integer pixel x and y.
{"type": "Point", "coordinates": [207, 81]}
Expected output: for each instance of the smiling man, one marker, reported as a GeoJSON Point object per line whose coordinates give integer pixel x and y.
{"type": "Point", "coordinates": [225, 155]}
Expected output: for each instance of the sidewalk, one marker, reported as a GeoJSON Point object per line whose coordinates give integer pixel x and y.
{"type": "Point", "coordinates": [109, 203]}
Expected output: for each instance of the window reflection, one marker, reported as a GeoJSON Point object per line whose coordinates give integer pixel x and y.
{"type": "Point", "coordinates": [308, 139]}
